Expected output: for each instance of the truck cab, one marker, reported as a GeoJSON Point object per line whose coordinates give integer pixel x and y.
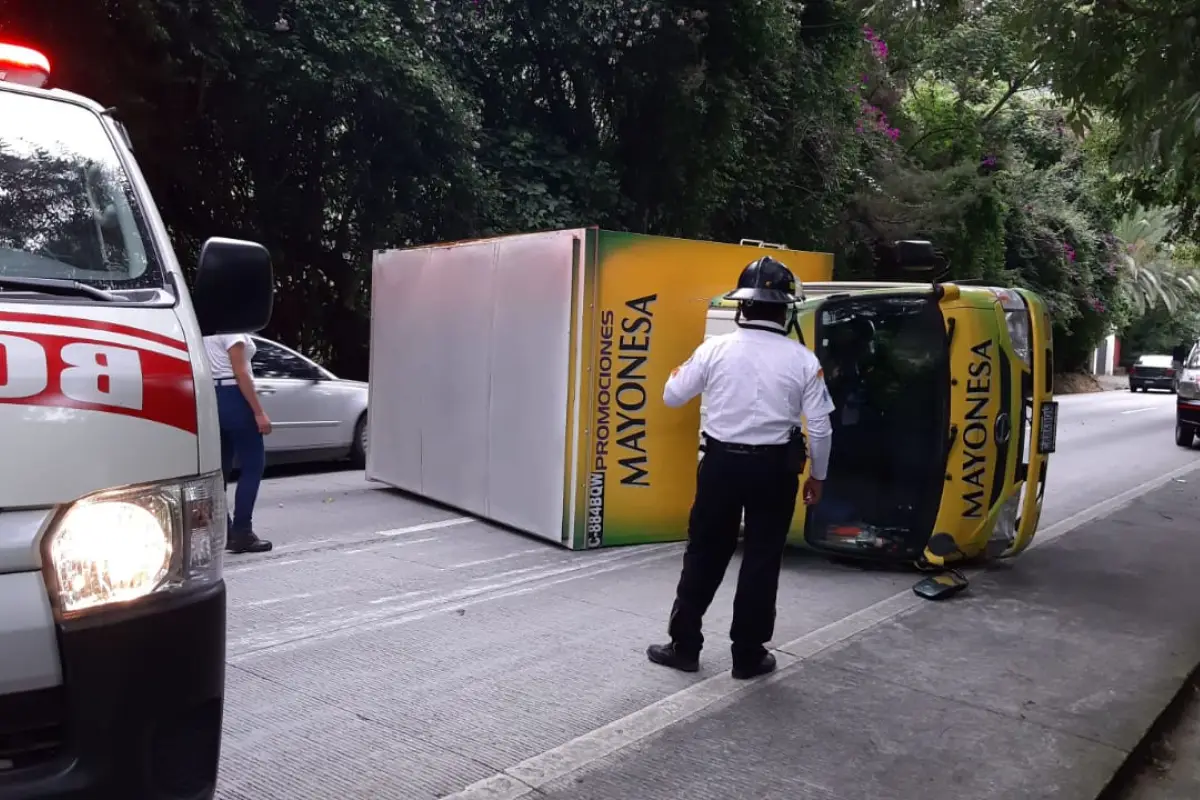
{"type": "Point", "coordinates": [112, 505]}
{"type": "Point", "coordinates": [944, 418]}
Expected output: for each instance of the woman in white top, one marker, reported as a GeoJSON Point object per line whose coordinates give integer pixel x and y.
{"type": "Point", "coordinates": [243, 425]}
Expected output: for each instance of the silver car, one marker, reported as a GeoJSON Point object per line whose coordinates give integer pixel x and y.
{"type": "Point", "coordinates": [315, 415]}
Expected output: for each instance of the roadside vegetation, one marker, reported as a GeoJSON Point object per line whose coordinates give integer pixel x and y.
{"type": "Point", "coordinates": [329, 129]}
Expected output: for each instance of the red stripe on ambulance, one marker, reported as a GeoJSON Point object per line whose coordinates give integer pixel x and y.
{"type": "Point", "coordinates": [53, 371]}
{"type": "Point", "coordinates": [91, 325]}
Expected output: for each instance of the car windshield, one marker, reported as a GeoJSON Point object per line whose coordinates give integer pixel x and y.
{"type": "Point", "coordinates": [1154, 361]}
{"type": "Point", "coordinates": [1193, 361]}
{"type": "Point", "coordinates": [886, 362]}
{"type": "Point", "coordinates": [67, 208]}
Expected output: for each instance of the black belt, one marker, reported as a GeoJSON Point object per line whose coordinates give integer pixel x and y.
{"type": "Point", "coordinates": [742, 449]}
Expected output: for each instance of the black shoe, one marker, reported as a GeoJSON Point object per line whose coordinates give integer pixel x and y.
{"type": "Point", "coordinates": [752, 669]}
{"type": "Point", "coordinates": [668, 656]}
{"type": "Point", "coordinates": [246, 543]}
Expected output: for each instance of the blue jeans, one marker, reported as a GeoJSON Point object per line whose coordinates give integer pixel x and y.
{"type": "Point", "coordinates": [240, 438]}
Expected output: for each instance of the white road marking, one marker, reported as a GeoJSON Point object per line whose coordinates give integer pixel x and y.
{"type": "Point", "coordinates": [483, 561]}
{"type": "Point", "coordinates": [285, 598]}
{"type": "Point", "coordinates": [427, 526]}
{"type": "Point", "coordinates": [361, 620]}
{"type": "Point", "coordinates": [416, 616]}
{"type": "Point", "coordinates": [390, 545]}
{"type": "Point", "coordinates": [394, 597]}
{"type": "Point", "coordinates": [309, 543]}
{"type": "Point", "coordinates": [491, 576]}
{"type": "Point", "coordinates": [241, 567]}
{"type": "Point", "coordinates": [1140, 410]}
{"type": "Point", "coordinates": [248, 565]}
{"type": "Point", "coordinates": [529, 776]}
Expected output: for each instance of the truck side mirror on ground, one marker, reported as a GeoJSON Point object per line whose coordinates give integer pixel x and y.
{"type": "Point", "coordinates": [234, 289]}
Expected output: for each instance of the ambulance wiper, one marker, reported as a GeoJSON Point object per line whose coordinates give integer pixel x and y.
{"type": "Point", "coordinates": [62, 287]}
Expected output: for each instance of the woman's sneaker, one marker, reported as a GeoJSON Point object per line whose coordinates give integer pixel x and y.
{"type": "Point", "coordinates": [246, 543]}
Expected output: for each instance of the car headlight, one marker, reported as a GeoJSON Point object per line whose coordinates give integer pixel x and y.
{"type": "Point", "coordinates": [1016, 318]}
{"type": "Point", "coordinates": [121, 545]}
{"type": "Point", "coordinates": [1018, 333]}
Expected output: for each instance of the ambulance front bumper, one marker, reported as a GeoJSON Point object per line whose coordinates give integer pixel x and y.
{"type": "Point", "coordinates": [136, 713]}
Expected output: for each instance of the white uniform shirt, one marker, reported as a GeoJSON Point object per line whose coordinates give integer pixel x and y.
{"type": "Point", "coordinates": [217, 348]}
{"type": "Point", "coordinates": [756, 385]}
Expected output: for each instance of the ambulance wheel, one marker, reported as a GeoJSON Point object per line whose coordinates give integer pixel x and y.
{"type": "Point", "coordinates": [1185, 436]}
{"type": "Point", "coordinates": [358, 448]}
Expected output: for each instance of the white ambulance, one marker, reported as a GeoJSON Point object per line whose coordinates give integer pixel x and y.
{"type": "Point", "coordinates": [112, 509]}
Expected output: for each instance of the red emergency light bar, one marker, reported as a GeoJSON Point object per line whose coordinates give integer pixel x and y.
{"type": "Point", "coordinates": [23, 65]}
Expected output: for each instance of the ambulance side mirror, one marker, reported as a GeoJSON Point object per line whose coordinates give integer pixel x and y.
{"type": "Point", "coordinates": [234, 290]}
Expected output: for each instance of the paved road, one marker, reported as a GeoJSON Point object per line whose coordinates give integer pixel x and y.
{"type": "Point", "coordinates": [388, 648]}
{"type": "Point", "coordinates": [1107, 443]}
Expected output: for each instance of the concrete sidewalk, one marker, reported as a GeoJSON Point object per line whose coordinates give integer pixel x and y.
{"type": "Point", "coordinates": [1036, 683]}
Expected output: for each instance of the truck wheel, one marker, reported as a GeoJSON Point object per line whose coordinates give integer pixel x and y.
{"type": "Point", "coordinates": [358, 449]}
{"type": "Point", "coordinates": [1184, 435]}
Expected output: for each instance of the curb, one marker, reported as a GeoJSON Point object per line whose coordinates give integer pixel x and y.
{"type": "Point", "coordinates": [1142, 755]}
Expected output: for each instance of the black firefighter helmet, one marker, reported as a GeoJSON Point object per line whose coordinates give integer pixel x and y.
{"type": "Point", "coordinates": [765, 280]}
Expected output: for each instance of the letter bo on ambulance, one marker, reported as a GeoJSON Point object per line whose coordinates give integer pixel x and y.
{"type": "Point", "coordinates": [112, 509]}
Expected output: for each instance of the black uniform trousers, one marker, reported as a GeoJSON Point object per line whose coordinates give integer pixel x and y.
{"type": "Point", "coordinates": [732, 478]}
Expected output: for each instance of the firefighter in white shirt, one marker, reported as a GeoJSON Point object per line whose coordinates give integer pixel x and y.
{"type": "Point", "coordinates": [757, 383]}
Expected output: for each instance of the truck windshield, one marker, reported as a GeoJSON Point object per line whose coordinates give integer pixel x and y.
{"type": "Point", "coordinates": [886, 362]}
{"type": "Point", "coordinates": [67, 207]}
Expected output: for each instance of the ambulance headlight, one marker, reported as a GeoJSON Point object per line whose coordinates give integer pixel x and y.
{"type": "Point", "coordinates": [118, 546]}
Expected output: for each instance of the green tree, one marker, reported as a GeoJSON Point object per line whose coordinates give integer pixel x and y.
{"type": "Point", "coordinates": [324, 137]}
{"type": "Point", "coordinates": [329, 130]}
{"type": "Point", "coordinates": [1160, 331]}
{"type": "Point", "coordinates": [1152, 276]}
{"type": "Point", "coordinates": [1134, 61]}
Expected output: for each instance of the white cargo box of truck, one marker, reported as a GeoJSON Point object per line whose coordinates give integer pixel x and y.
{"type": "Point", "coordinates": [520, 378]}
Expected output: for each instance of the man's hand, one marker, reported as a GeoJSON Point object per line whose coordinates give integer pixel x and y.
{"type": "Point", "coordinates": [812, 491]}
{"type": "Point", "coordinates": [263, 422]}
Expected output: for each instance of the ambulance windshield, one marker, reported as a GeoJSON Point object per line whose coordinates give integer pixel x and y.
{"type": "Point", "coordinates": [886, 362]}
{"type": "Point", "coordinates": [67, 209]}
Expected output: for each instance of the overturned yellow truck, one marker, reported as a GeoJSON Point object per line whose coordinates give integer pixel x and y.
{"type": "Point", "coordinates": [944, 421]}
{"type": "Point", "coordinates": [520, 378]}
